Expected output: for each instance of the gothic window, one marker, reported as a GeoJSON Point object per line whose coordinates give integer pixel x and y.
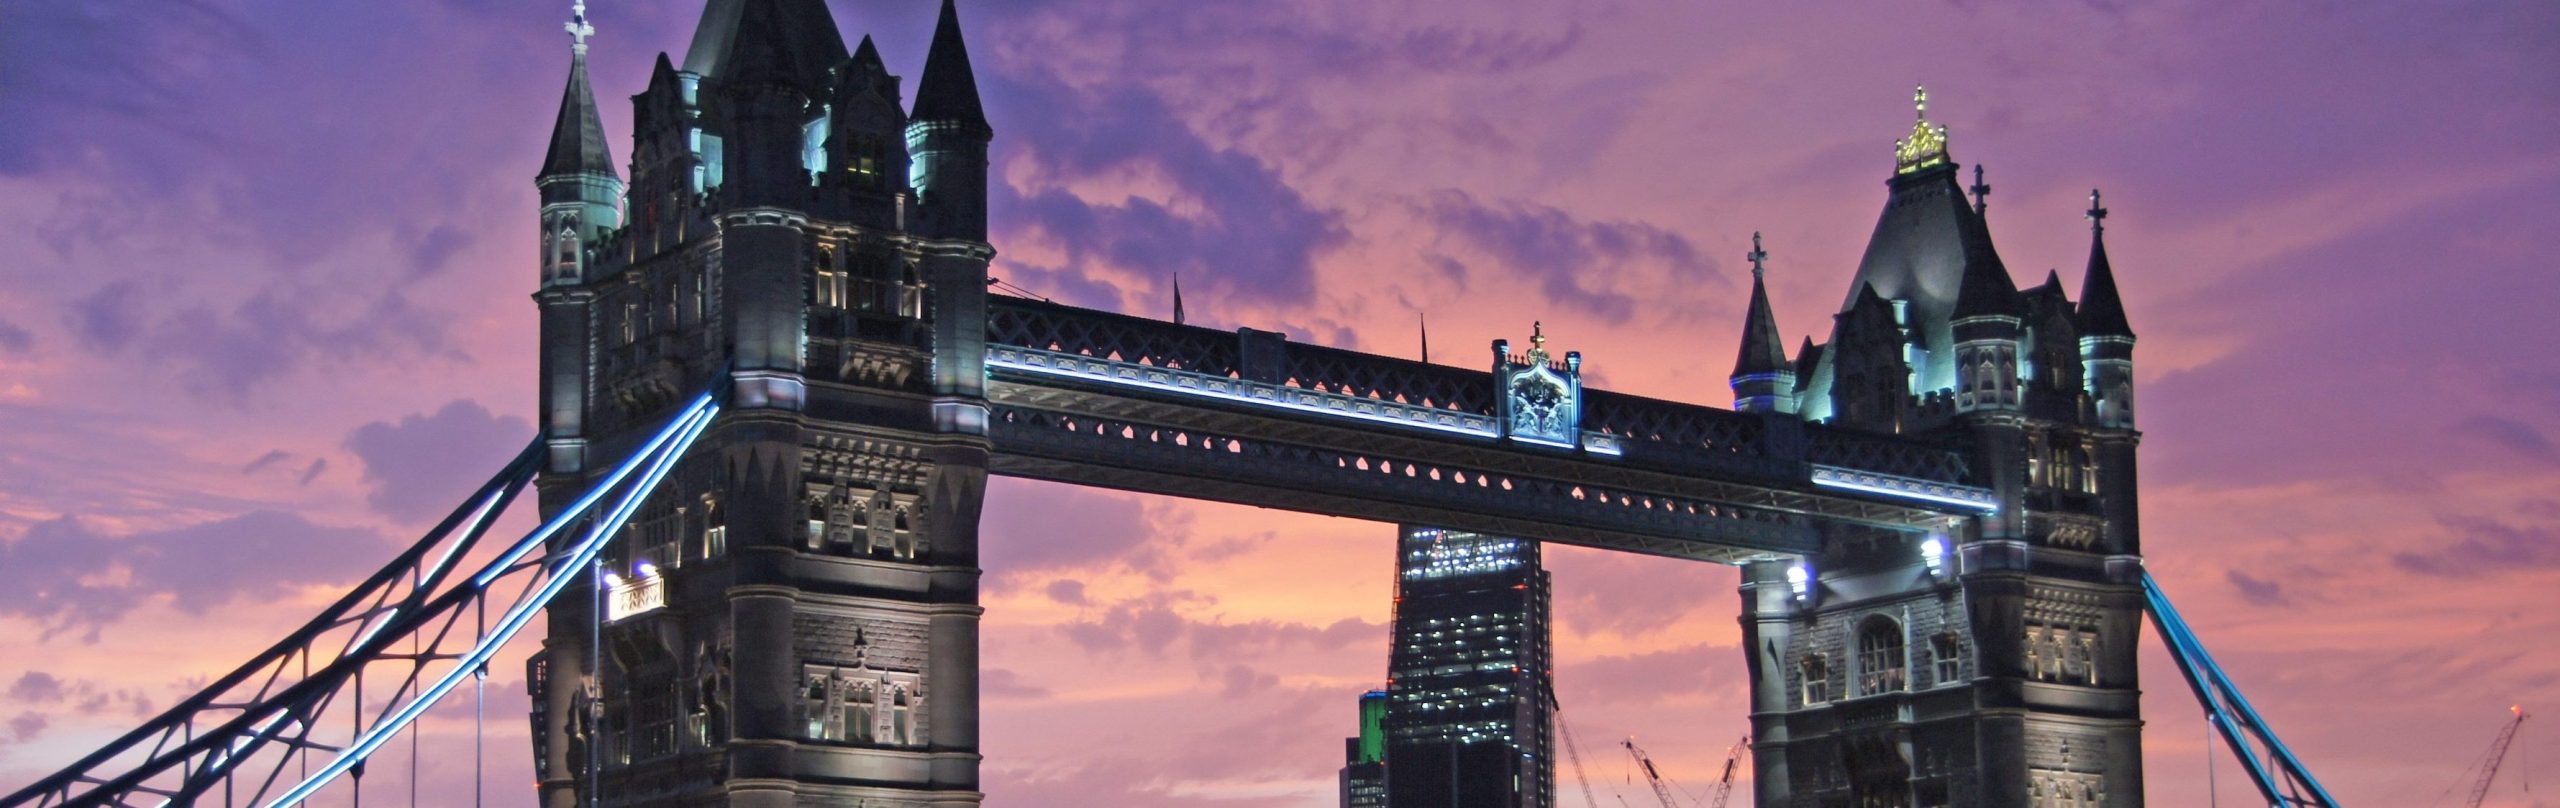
{"type": "Point", "coordinates": [830, 288]}
{"type": "Point", "coordinates": [715, 528]}
{"type": "Point", "coordinates": [1946, 650]}
{"type": "Point", "coordinates": [564, 254]}
{"type": "Point", "coordinates": [901, 718]}
{"type": "Point", "coordinates": [911, 294]}
{"type": "Point", "coordinates": [653, 719]}
{"type": "Point", "coordinates": [2062, 653]}
{"type": "Point", "coordinates": [863, 163]}
{"type": "Point", "coordinates": [823, 704]}
{"type": "Point", "coordinates": [630, 323]}
{"type": "Point", "coordinates": [1815, 671]}
{"type": "Point", "coordinates": [1880, 657]}
{"type": "Point", "coordinates": [817, 523]}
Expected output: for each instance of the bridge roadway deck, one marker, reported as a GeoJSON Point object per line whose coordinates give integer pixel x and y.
{"type": "Point", "coordinates": [1096, 398]}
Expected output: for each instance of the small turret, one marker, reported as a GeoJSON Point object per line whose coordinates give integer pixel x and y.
{"type": "Point", "coordinates": [947, 136]}
{"type": "Point", "coordinates": [1763, 380]}
{"type": "Point", "coordinates": [1988, 319]}
{"type": "Point", "coordinates": [2106, 339]}
{"type": "Point", "coordinates": [581, 189]}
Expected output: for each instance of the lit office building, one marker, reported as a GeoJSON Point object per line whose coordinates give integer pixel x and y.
{"type": "Point", "coordinates": [1468, 677]}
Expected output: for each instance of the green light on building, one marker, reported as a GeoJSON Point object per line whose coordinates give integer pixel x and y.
{"type": "Point", "coordinates": [1373, 727]}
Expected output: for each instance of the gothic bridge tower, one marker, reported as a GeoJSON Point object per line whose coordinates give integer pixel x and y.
{"type": "Point", "coordinates": [793, 618]}
{"type": "Point", "coordinates": [1992, 663]}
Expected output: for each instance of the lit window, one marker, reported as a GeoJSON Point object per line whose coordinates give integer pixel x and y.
{"type": "Point", "coordinates": [1880, 657]}
{"type": "Point", "coordinates": [1815, 673]}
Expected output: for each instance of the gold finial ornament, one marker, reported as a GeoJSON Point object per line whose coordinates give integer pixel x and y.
{"type": "Point", "coordinates": [1927, 145]}
{"type": "Point", "coordinates": [1538, 343]}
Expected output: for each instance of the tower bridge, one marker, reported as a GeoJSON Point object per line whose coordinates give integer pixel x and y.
{"type": "Point", "coordinates": [774, 382]}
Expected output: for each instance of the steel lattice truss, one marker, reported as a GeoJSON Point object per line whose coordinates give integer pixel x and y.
{"type": "Point", "coordinates": [298, 716]}
{"type": "Point", "coordinates": [2280, 776]}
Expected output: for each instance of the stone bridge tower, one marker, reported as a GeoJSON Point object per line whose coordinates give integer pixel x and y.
{"type": "Point", "coordinates": [793, 618]}
{"type": "Point", "coordinates": [1991, 663]}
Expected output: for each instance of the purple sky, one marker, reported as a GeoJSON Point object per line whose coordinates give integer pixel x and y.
{"type": "Point", "coordinates": [263, 311]}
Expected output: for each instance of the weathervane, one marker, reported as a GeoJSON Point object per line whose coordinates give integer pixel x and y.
{"type": "Point", "coordinates": [578, 28]}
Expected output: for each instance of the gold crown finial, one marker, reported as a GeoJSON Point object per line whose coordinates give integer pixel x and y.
{"type": "Point", "coordinates": [1927, 145]}
{"type": "Point", "coordinates": [1538, 342]}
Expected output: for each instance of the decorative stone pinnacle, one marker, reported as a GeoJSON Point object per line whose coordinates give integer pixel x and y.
{"type": "Point", "coordinates": [2097, 213]}
{"type": "Point", "coordinates": [1759, 257]}
{"type": "Point", "coordinates": [578, 27]}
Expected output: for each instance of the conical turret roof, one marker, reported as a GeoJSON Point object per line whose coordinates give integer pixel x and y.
{"type": "Point", "coordinates": [1763, 349]}
{"type": "Point", "coordinates": [2101, 309]}
{"type": "Point", "coordinates": [578, 144]}
{"type": "Point", "coordinates": [948, 91]}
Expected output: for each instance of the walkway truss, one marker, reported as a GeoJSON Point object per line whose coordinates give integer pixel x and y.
{"type": "Point", "coordinates": [297, 717]}
{"type": "Point", "coordinates": [314, 707]}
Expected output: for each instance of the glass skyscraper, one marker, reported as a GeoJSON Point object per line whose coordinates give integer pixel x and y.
{"type": "Point", "coordinates": [1468, 677]}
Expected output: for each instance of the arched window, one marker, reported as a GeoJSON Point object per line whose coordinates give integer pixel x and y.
{"type": "Point", "coordinates": [1881, 663]}
{"type": "Point", "coordinates": [564, 254]}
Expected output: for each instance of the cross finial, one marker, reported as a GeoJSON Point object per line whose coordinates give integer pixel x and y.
{"type": "Point", "coordinates": [2097, 213]}
{"type": "Point", "coordinates": [1920, 102]}
{"type": "Point", "coordinates": [578, 28]}
{"type": "Point", "coordinates": [1759, 257]}
{"type": "Point", "coordinates": [1981, 191]}
{"type": "Point", "coordinates": [1538, 334]}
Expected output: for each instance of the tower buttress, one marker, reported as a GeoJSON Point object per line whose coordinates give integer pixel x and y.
{"type": "Point", "coordinates": [1763, 380]}
{"type": "Point", "coordinates": [947, 135]}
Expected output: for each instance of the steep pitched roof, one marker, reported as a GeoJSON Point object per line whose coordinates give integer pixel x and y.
{"type": "Point", "coordinates": [1763, 349]}
{"type": "Point", "coordinates": [578, 144]}
{"type": "Point", "coordinates": [948, 91]}
{"type": "Point", "coordinates": [799, 35]}
{"type": "Point", "coordinates": [1987, 288]}
{"type": "Point", "coordinates": [2101, 309]}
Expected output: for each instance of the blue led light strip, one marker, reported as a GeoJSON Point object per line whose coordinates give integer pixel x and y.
{"type": "Point", "coordinates": [1593, 443]}
{"type": "Point", "coordinates": [2230, 713]}
{"type": "Point", "coordinates": [659, 456]}
{"type": "Point", "coordinates": [1981, 502]}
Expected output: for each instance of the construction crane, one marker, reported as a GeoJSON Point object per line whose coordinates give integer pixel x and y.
{"type": "Point", "coordinates": [1572, 751]}
{"type": "Point", "coordinates": [1732, 761]}
{"type": "Point", "coordinates": [1661, 790]}
{"type": "Point", "coordinates": [2497, 754]}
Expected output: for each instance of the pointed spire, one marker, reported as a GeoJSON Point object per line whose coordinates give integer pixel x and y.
{"type": "Point", "coordinates": [1424, 320]}
{"type": "Point", "coordinates": [1981, 192]}
{"type": "Point", "coordinates": [1178, 318]}
{"type": "Point", "coordinates": [1986, 287]}
{"type": "Point", "coordinates": [2101, 309]}
{"type": "Point", "coordinates": [1764, 350]}
{"type": "Point", "coordinates": [868, 55]}
{"type": "Point", "coordinates": [948, 92]}
{"type": "Point", "coordinates": [578, 144]}
{"type": "Point", "coordinates": [798, 36]}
